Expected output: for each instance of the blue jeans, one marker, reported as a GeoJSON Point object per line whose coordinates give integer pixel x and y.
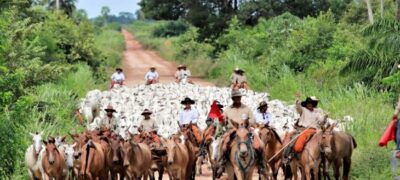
{"type": "Point", "coordinates": [398, 135]}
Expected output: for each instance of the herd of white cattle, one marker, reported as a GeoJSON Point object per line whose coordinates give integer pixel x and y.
{"type": "Point", "coordinates": [164, 101]}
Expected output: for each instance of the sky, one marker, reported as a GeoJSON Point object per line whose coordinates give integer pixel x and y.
{"type": "Point", "coordinates": [93, 7]}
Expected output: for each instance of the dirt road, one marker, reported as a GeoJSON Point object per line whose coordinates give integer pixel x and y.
{"type": "Point", "coordinates": [136, 64]}
{"type": "Point", "coordinates": [137, 61]}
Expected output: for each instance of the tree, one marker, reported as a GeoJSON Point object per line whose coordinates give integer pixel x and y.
{"type": "Point", "coordinates": [105, 11]}
{"type": "Point", "coordinates": [370, 15]}
{"type": "Point", "coordinates": [68, 6]}
{"type": "Point", "coordinates": [161, 9]}
{"type": "Point", "coordinates": [381, 57]}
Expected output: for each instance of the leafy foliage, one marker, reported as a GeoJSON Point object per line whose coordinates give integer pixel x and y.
{"type": "Point", "coordinates": [171, 28]}
{"type": "Point", "coordinates": [47, 60]}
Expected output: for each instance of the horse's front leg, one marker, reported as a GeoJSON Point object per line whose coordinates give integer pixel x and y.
{"type": "Point", "coordinates": [238, 173]}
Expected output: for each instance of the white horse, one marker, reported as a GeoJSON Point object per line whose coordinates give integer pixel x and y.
{"type": "Point", "coordinates": [32, 156]}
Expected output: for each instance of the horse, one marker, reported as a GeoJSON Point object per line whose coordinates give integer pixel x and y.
{"type": "Point", "coordinates": [242, 156]}
{"type": "Point", "coordinates": [79, 141]}
{"type": "Point", "coordinates": [213, 153]}
{"type": "Point", "coordinates": [69, 152]}
{"type": "Point", "coordinates": [114, 159]}
{"type": "Point", "coordinates": [136, 160]}
{"type": "Point", "coordinates": [53, 163]}
{"type": "Point", "coordinates": [273, 145]}
{"type": "Point", "coordinates": [177, 159]}
{"type": "Point", "coordinates": [337, 148]}
{"type": "Point", "coordinates": [193, 150]}
{"type": "Point", "coordinates": [92, 161]}
{"type": "Point", "coordinates": [309, 159]}
{"type": "Point", "coordinates": [32, 156]}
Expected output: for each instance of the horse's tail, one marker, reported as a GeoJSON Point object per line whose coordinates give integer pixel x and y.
{"type": "Point", "coordinates": [353, 141]}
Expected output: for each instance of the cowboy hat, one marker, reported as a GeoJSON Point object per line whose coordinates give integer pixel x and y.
{"type": "Point", "coordinates": [262, 104]}
{"type": "Point", "coordinates": [187, 100]}
{"type": "Point", "coordinates": [311, 99]}
{"type": "Point", "coordinates": [181, 66]}
{"type": "Point", "coordinates": [110, 108]}
{"type": "Point", "coordinates": [146, 111]}
{"type": "Point", "coordinates": [238, 70]}
{"type": "Point", "coordinates": [118, 69]}
{"type": "Point", "coordinates": [236, 93]}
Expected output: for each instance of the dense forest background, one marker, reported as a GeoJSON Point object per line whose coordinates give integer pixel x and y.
{"type": "Point", "coordinates": [49, 58]}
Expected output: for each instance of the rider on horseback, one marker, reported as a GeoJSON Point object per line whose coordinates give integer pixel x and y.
{"type": "Point", "coordinates": [238, 79]}
{"type": "Point", "coordinates": [109, 122]}
{"type": "Point", "coordinates": [189, 117]}
{"type": "Point", "coordinates": [149, 125]}
{"type": "Point", "coordinates": [261, 115]}
{"type": "Point", "coordinates": [238, 113]}
{"type": "Point", "coordinates": [311, 119]}
{"type": "Point", "coordinates": [117, 78]}
{"type": "Point", "coordinates": [152, 76]}
{"type": "Point", "coordinates": [183, 74]}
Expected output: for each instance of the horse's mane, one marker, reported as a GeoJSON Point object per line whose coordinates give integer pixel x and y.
{"type": "Point", "coordinates": [276, 135]}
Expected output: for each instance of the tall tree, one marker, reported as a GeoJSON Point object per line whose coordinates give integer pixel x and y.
{"type": "Point", "coordinates": [398, 10]}
{"type": "Point", "coordinates": [370, 15]}
{"type": "Point", "coordinates": [68, 6]}
{"type": "Point", "coordinates": [105, 11]}
{"type": "Point", "coordinates": [162, 9]}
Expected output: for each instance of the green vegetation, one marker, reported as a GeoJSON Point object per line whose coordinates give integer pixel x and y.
{"type": "Point", "coordinates": [336, 55]}
{"type": "Point", "coordinates": [49, 59]}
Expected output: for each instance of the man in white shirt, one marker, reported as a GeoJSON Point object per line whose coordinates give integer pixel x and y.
{"type": "Point", "coordinates": [151, 77]}
{"type": "Point", "coordinates": [189, 117]}
{"type": "Point", "coordinates": [117, 78]}
{"type": "Point", "coordinates": [183, 74]}
{"type": "Point", "coordinates": [261, 115]}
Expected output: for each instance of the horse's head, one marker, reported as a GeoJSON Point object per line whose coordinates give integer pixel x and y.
{"type": "Point", "coordinates": [69, 154]}
{"type": "Point", "coordinates": [79, 141]}
{"type": "Point", "coordinates": [51, 151]}
{"type": "Point", "coordinates": [327, 140]}
{"type": "Point", "coordinates": [266, 135]}
{"type": "Point", "coordinates": [37, 141]}
{"type": "Point", "coordinates": [243, 140]}
{"type": "Point", "coordinates": [171, 146]}
{"type": "Point", "coordinates": [115, 144]}
{"type": "Point", "coordinates": [127, 152]}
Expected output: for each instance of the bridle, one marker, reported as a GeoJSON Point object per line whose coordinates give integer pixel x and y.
{"type": "Point", "coordinates": [244, 166]}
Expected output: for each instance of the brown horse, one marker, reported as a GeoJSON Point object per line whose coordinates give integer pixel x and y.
{"type": "Point", "coordinates": [114, 159]}
{"type": "Point", "coordinates": [273, 145]}
{"type": "Point", "coordinates": [136, 160]}
{"type": "Point", "coordinates": [309, 159]}
{"type": "Point", "coordinates": [177, 159]}
{"type": "Point", "coordinates": [193, 151]}
{"type": "Point", "coordinates": [52, 161]}
{"type": "Point", "coordinates": [93, 161]}
{"type": "Point", "coordinates": [79, 141]}
{"type": "Point", "coordinates": [337, 148]}
{"type": "Point", "coordinates": [242, 156]}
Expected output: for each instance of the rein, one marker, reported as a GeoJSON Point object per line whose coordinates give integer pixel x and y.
{"type": "Point", "coordinates": [244, 167]}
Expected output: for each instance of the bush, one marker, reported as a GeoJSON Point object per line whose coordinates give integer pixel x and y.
{"type": "Point", "coordinates": [170, 28]}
